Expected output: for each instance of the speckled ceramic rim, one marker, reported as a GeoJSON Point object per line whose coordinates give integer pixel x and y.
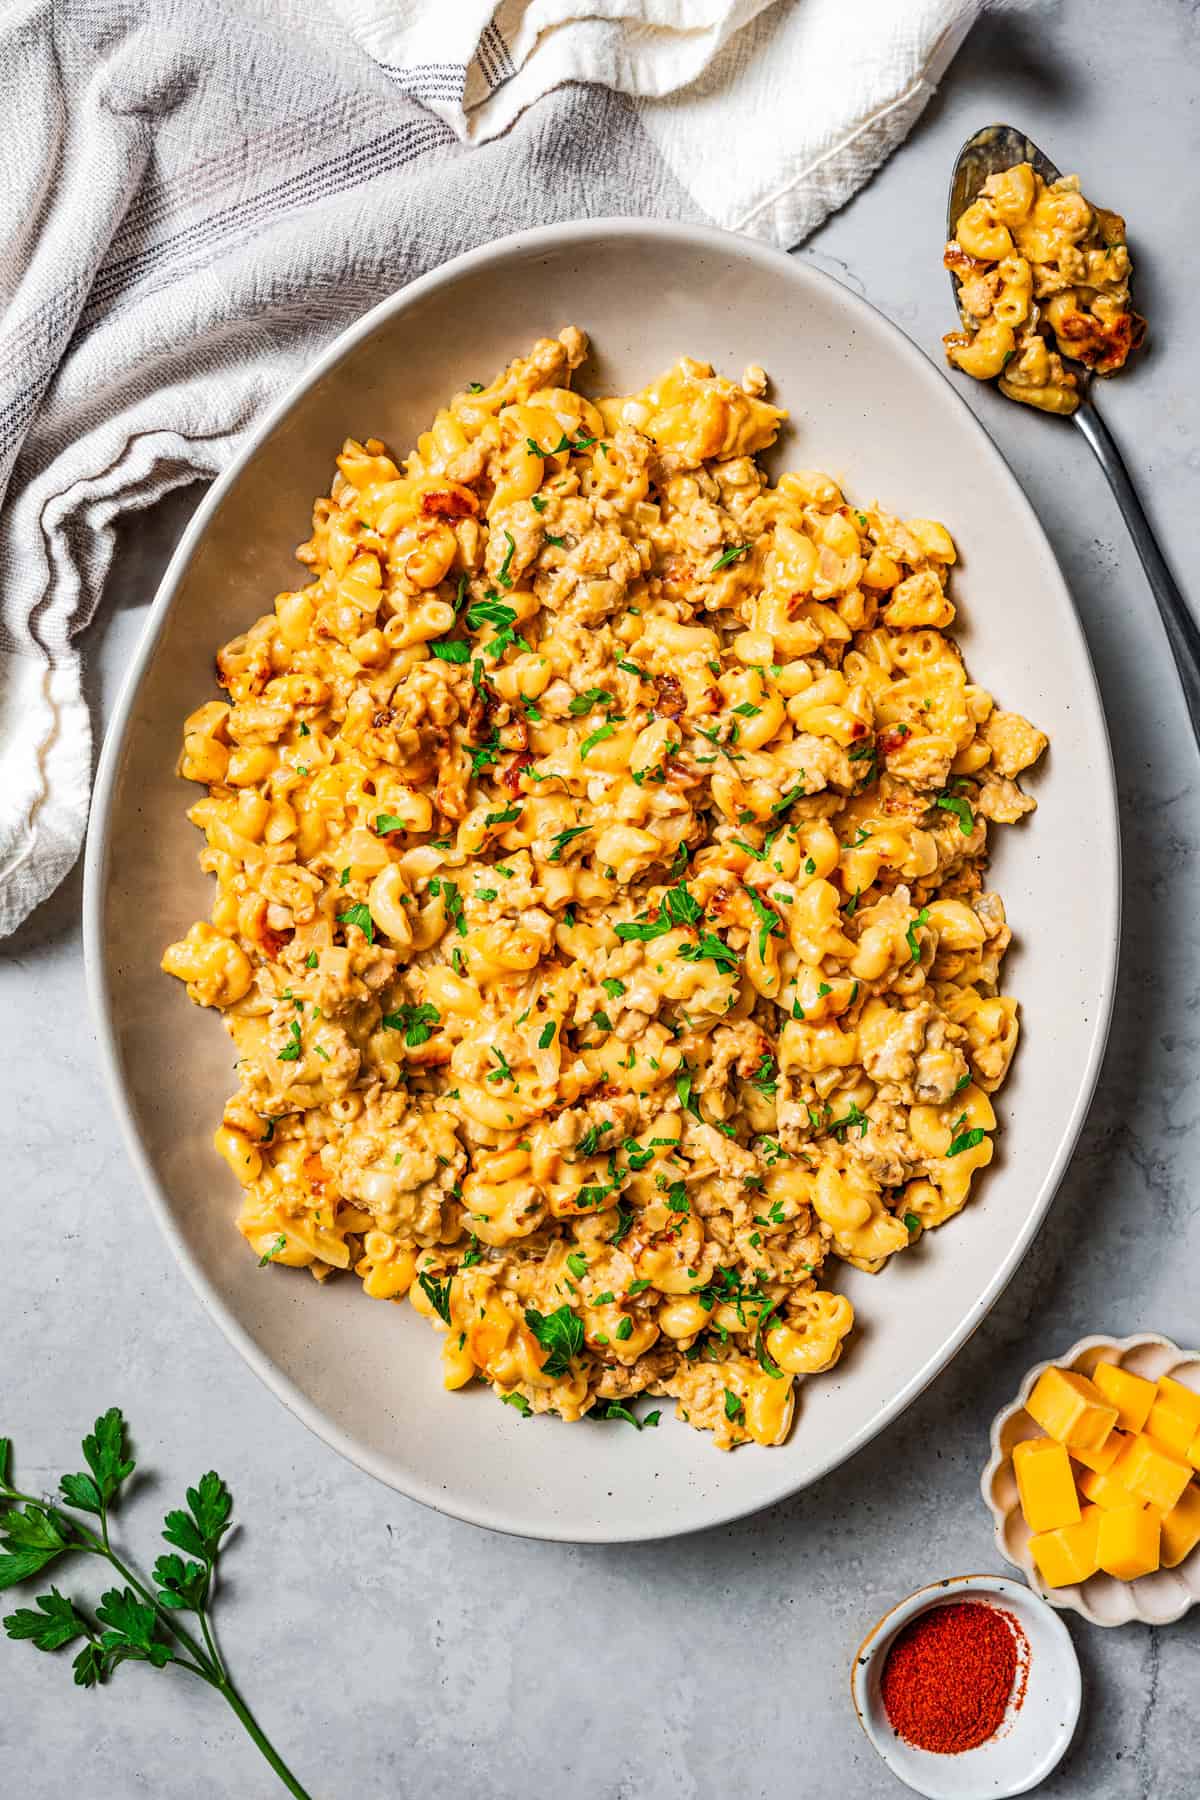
{"type": "Point", "coordinates": [878, 1641]}
{"type": "Point", "coordinates": [1071, 1599]}
{"type": "Point", "coordinates": [580, 234]}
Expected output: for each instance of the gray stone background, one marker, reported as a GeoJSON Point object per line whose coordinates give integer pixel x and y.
{"type": "Point", "coordinates": [390, 1650]}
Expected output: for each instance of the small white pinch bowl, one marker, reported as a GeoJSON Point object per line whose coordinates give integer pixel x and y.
{"type": "Point", "coordinates": [1157, 1599]}
{"type": "Point", "coordinates": [1034, 1736]}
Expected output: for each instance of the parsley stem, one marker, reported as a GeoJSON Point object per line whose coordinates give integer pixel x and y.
{"type": "Point", "coordinates": [264, 1743]}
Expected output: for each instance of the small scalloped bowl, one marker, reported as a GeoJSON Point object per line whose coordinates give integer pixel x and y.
{"type": "Point", "coordinates": [1157, 1599]}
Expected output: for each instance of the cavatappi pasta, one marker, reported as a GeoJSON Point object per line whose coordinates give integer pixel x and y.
{"type": "Point", "coordinates": [598, 838]}
{"type": "Point", "coordinates": [1042, 274]}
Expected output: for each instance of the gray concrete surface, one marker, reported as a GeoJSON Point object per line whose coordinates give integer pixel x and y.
{"type": "Point", "coordinates": [392, 1651]}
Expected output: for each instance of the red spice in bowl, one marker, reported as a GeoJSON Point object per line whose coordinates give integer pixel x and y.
{"type": "Point", "coordinates": [951, 1673]}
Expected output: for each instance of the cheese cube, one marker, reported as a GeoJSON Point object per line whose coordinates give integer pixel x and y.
{"type": "Point", "coordinates": [1045, 1484]}
{"type": "Point", "coordinates": [1101, 1461]}
{"type": "Point", "coordinates": [1104, 1491]}
{"type": "Point", "coordinates": [1150, 1472]}
{"type": "Point", "coordinates": [1131, 1394]}
{"type": "Point", "coordinates": [1194, 1451]}
{"type": "Point", "coordinates": [1181, 1527]}
{"type": "Point", "coordinates": [1071, 1408]}
{"type": "Point", "coordinates": [1127, 1542]}
{"type": "Point", "coordinates": [1175, 1416]}
{"type": "Point", "coordinates": [1069, 1554]}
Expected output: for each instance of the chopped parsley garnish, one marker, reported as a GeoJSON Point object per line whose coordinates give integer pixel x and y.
{"type": "Point", "coordinates": [612, 987]}
{"type": "Point", "coordinates": [589, 1143]}
{"type": "Point", "coordinates": [311, 960]}
{"type": "Point", "coordinates": [505, 817]}
{"type": "Point", "coordinates": [625, 1330]}
{"type": "Point", "coordinates": [416, 1022]}
{"type": "Point", "coordinates": [276, 1248]}
{"type": "Point", "coordinates": [546, 1035]}
{"type": "Point", "coordinates": [788, 799]}
{"type": "Point", "coordinates": [506, 565]}
{"type": "Point", "coordinates": [735, 1409]}
{"type": "Point", "coordinates": [359, 915]}
{"type": "Point", "coordinates": [683, 1088]}
{"type": "Point", "coordinates": [451, 650]}
{"type": "Point", "coordinates": [729, 556]}
{"type": "Point", "coordinates": [747, 711]}
{"type": "Point", "coordinates": [591, 697]}
{"type": "Point", "coordinates": [711, 948]}
{"type": "Point", "coordinates": [770, 923]}
{"type": "Point", "coordinates": [437, 1293]}
{"type": "Point", "coordinates": [922, 918]}
{"type": "Point", "coordinates": [520, 1402]}
{"type": "Point", "coordinates": [560, 1335]}
{"type": "Point", "coordinates": [595, 737]}
{"type": "Point", "coordinates": [961, 808]}
{"type": "Point", "coordinates": [537, 503]}
{"type": "Point", "coordinates": [577, 1263]}
{"type": "Point", "coordinates": [504, 1072]}
{"type": "Point", "coordinates": [911, 1223]}
{"type": "Point", "coordinates": [563, 838]}
{"type": "Point", "coordinates": [613, 1409]}
{"type": "Point", "coordinates": [385, 822]}
{"type": "Point", "coordinates": [758, 855]}
{"type": "Point", "coordinates": [964, 1140]}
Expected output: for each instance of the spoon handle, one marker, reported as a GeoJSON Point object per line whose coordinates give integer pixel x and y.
{"type": "Point", "coordinates": [1183, 634]}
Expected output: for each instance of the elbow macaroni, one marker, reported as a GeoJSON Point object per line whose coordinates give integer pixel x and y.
{"type": "Point", "coordinates": [1042, 274]}
{"type": "Point", "coordinates": [598, 837]}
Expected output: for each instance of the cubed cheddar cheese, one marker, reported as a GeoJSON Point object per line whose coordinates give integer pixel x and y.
{"type": "Point", "coordinates": [1181, 1527]}
{"type": "Point", "coordinates": [1071, 1409]}
{"type": "Point", "coordinates": [1071, 1553]}
{"type": "Point", "coordinates": [1045, 1484]}
{"type": "Point", "coordinates": [1151, 1473]}
{"type": "Point", "coordinates": [1131, 1394]}
{"type": "Point", "coordinates": [1104, 1490]}
{"type": "Point", "coordinates": [1127, 1543]}
{"type": "Point", "coordinates": [1175, 1416]}
{"type": "Point", "coordinates": [1101, 1461]}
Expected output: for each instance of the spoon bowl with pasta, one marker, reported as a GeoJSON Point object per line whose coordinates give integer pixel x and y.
{"type": "Point", "coordinates": [1041, 284]}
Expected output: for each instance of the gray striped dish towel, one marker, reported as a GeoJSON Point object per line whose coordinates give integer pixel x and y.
{"type": "Point", "coordinates": [196, 195]}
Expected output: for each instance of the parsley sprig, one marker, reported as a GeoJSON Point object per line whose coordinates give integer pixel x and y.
{"type": "Point", "coordinates": [138, 1621]}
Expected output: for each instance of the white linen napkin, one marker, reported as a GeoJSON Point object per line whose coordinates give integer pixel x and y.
{"type": "Point", "coordinates": [197, 194]}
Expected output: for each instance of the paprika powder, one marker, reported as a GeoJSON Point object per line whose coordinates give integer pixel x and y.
{"type": "Point", "coordinates": [950, 1674]}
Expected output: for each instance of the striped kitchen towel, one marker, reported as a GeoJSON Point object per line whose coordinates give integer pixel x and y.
{"type": "Point", "coordinates": [195, 195]}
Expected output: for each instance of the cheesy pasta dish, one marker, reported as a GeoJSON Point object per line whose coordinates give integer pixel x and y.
{"type": "Point", "coordinates": [1042, 274]}
{"type": "Point", "coordinates": [599, 836]}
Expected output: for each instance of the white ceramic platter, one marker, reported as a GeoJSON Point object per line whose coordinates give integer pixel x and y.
{"type": "Point", "coordinates": [1157, 1599]}
{"type": "Point", "coordinates": [870, 409]}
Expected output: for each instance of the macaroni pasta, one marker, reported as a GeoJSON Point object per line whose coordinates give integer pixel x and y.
{"type": "Point", "coordinates": [598, 837]}
{"type": "Point", "coordinates": [1042, 274]}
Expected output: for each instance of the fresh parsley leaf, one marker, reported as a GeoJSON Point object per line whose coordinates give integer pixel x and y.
{"type": "Point", "coordinates": [560, 1335]}
{"type": "Point", "coordinates": [965, 1140]}
{"type": "Point", "coordinates": [769, 922]}
{"type": "Point", "coordinates": [437, 1293]}
{"type": "Point", "coordinates": [385, 822]}
{"type": "Point", "coordinates": [293, 1050]}
{"type": "Point", "coordinates": [563, 838]}
{"type": "Point", "coordinates": [451, 650]}
{"type": "Point", "coordinates": [416, 1022]}
{"type": "Point", "coordinates": [961, 808]}
{"type": "Point", "coordinates": [506, 565]}
{"type": "Point", "coordinates": [922, 918]}
{"type": "Point", "coordinates": [546, 1036]}
{"type": "Point", "coordinates": [911, 1223]}
{"type": "Point", "coordinates": [730, 556]}
{"type": "Point", "coordinates": [520, 1402]}
{"type": "Point", "coordinates": [359, 915]}
{"type": "Point", "coordinates": [273, 1250]}
{"type": "Point", "coordinates": [577, 1263]}
{"type": "Point", "coordinates": [587, 701]}
{"type": "Point", "coordinates": [624, 1330]}
{"type": "Point", "coordinates": [683, 1088]}
{"type": "Point", "coordinates": [712, 948]}
{"type": "Point", "coordinates": [734, 1408]}
{"type": "Point", "coordinates": [595, 737]}
{"type": "Point", "coordinates": [589, 1143]}
{"type": "Point", "coordinates": [612, 987]}
{"type": "Point", "coordinates": [505, 817]}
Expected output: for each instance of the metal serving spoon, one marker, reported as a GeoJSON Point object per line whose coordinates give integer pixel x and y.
{"type": "Point", "coordinates": [998, 147]}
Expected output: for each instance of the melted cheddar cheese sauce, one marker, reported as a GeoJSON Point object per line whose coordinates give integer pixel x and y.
{"type": "Point", "coordinates": [598, 837]}
{"type": "Point", "coordinates": [1042, 274]}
